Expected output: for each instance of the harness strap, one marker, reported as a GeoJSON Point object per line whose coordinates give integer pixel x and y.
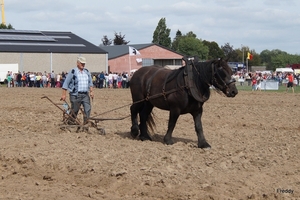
{"type": "Point", "coordinates": [149, 82]}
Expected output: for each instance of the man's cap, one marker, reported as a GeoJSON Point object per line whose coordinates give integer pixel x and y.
{"type": "Point", "coordinates": [81, 59]}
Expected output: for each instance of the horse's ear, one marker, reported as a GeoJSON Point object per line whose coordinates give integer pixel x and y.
{"type": "Point", "coordinates": [227, 59]}
{"type": "Point", "coordinates": [218, 62]}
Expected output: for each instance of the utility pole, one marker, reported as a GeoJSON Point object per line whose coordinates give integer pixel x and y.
{"type": "Point", "coordinates": [2, 11]}
{"type": "Point", "coordinates": [243, 56]}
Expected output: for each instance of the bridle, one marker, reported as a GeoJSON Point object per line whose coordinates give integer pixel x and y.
{"type": "Point", "coordinates": [219, 85]}
{"type": "Point", "coordinates": [216, 75]}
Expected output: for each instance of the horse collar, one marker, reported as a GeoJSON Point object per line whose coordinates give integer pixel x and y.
{"type": "Point", "coordinates": [190, 83]}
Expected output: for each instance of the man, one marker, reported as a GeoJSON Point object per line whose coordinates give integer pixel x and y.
{"type": "Point", "coordinates": [80, 86]}
{"type": "Point", "coordinates": [52, 76]}
{"type": "Point", "coordinates": [19, 81]}
{"type": "Point", "coordinates": [290, 83]}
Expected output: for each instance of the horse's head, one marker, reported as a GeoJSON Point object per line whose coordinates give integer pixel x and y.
{"type": "Point", "coordinates": [222, 78]}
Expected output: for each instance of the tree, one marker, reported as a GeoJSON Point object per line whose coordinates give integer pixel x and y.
{"type": "Point", "coordinates": [214, 50]}
{"type": "Point", "coordinates": [106, 41]}
{"type": "Point", "coordinates": [274, 59]}
{"type": "Point", "coordinates": [229, 52]}
{"type": "Point", "coordinates": [3, 26]}
{"type": "Point", "coordinates": [119, 39]}
{"type": "Point", "coordinates": [192, 46]}
{"type": "Point", "coordinates": [191, 34]}
{"type": "Point", "coordinates": [176, 40]}
{"type": "Point", "coordinates": [265, 56]}
{"type": "Point", "coordinates": [161, 34]}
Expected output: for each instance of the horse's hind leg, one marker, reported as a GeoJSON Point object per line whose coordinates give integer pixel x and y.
{"type": "Point", "coordinates": [144, 114]}
{"type": "Point", "coordinates": [134, 110]}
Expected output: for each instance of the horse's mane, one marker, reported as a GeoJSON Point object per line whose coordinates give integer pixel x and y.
{"type": "Point", "coordinates": [202, 73]}
{"type": "Point", "coordinates": [202, 77]}
{"type": "Point", "coordinates": [176, 73]}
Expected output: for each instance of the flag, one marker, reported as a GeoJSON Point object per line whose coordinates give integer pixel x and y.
{"type": "Point", "coordinates": [249, 56]}
{"type": "Point", "coordinates": [139, 60]}
{"type": "Point", "coordinates": [133, 51]}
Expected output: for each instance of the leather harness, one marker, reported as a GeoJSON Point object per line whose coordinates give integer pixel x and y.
{"type": "Point", "coordinates": [189, 84]}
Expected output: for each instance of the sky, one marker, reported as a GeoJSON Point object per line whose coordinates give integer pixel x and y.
{"type": "Point", "coordinates": [256, 24]}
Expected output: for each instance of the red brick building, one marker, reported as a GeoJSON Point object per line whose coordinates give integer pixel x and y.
{"type": "Point", "coordinates": [119, 59]}
{"type": "Point", "coordinates": [294, 66]}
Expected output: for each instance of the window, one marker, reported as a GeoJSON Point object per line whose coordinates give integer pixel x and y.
{"type": "Point", "coordinates": [147, 62]}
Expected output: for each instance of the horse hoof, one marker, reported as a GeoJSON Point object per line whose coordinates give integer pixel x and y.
{"type": "Point", "coordinates": [205, 145]}
{"type": "Point", "coordinates": [134, 131]}
{"type": "Point", "coordinates": [168, 142]}
{"type": "Point", "coordinates": [143, 138]}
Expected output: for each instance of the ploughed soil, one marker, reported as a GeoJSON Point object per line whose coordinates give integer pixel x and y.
{"type": "Point", "coordinates": [254, 154]}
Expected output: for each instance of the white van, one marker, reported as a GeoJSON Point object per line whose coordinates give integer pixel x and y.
{"type": "Point", "coordinates": [4, 68]}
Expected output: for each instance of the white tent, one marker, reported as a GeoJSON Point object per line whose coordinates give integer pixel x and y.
{"type": "Point", "coordinates": [284, 70]}
{"type": "Point", "coordinates": [297, 71]}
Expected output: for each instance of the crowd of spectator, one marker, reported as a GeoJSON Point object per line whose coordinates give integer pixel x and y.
{"type": "Point", "coordinates": [122, 80]}
{"type": "Point", "coordinates": [281, 77]}
{"type": "Point", "coordinates": [35, 79]}
{"type": "Point", "coordinates": [111, 80]}
{"type": "Point", "coordinates": [56, 80]}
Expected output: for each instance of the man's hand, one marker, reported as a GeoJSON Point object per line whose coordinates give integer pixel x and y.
{"type": "Point", "coordinates": [63, 95]}
{"type": "Point", "coordinates": [92, 94]}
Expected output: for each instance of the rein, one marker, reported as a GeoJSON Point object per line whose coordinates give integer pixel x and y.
{"type": "Point", "coordinates": [145, 99]}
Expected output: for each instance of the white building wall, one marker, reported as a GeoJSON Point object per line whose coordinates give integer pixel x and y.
{"type": "Point", "coordinates": [59, 62]}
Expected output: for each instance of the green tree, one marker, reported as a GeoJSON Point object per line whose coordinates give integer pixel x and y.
{"type": "Point", "coordinates": [106, 41]}
{"type": "Point", "coordinates": [176, 40]}
{"type": "Point", "coordinates": [214, 50]}
{"type": "Point", "coordinates": [161, 34]}
{"type": "Point", "coordinates": [229, 52]}
{"type": "Point", "coordinates": [273, 59]}
{"type": "Point", "coordinates": [3, 26]}
{"type": "Point", "coordinates": [191, 34]}
{"type": "Point", "coordinates": [192, 46]}
{"type": "Point", "coordinates": [283, 59]}
{"type": "Point", "coordinates": [119, 39]}
{"type": "Point", "coordinates": [265, 57]}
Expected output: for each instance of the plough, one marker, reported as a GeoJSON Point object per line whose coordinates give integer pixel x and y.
{"type": "Point", "coordinates": [76, 123]}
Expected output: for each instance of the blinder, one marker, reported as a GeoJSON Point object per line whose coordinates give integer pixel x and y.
{"type": "Point", "coordinates": [217, 77]}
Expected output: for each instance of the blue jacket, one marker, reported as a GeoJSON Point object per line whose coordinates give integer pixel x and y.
{"type": "Point", "coordinates": [71, 82]}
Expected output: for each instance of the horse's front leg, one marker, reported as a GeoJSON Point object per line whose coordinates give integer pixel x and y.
{"type": "Point", "coordinates": [199, 130]}
{"type": "Point", "coordinates": [173, 117]}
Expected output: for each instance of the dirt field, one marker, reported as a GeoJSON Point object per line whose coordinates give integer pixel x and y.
{"type": "Point", "coordinates": [254, 155]}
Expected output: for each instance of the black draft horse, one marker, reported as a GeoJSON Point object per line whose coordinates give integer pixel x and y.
{"type": "Point", "coordinates": [180, 91]}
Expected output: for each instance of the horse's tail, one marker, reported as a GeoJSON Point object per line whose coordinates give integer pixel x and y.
{"type": "Point", "coordinates": [151, 122]}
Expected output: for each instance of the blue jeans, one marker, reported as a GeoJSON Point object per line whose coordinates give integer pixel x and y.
{"type": "Point", "coordinates": [77, 101]}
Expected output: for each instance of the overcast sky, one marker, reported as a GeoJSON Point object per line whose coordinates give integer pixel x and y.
{"type": "Point", "coordinates": [258, 24]}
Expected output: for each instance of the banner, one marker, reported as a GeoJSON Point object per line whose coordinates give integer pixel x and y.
{"type": "Point", "coordinates": [139, 60]}
{"type": "Point", "coordinates": [269, 85]}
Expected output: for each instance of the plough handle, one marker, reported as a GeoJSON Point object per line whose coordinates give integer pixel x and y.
{"type": "Point", "coordinates": [45, 97]}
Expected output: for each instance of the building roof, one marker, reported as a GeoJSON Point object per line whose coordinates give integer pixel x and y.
{"type": "Point", "coordinates": [45, 41]}
{"type": "Point", "coordinates": [121, 50]}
